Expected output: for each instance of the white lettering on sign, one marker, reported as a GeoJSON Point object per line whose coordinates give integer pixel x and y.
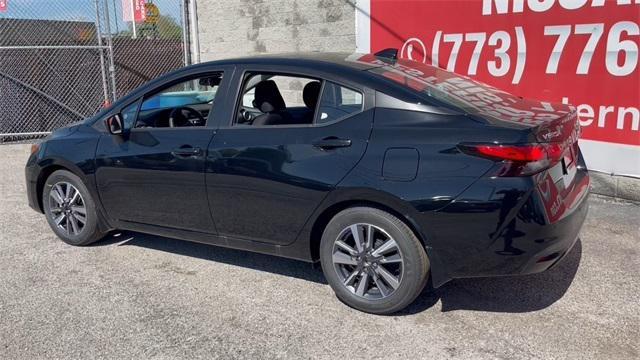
{"type": "Point", "coordinates": [635, 118]}
{"type": "Point", "coordinates": [615, 46]}
{"type": "Point", "coordinates": [518, 6]}
{"type": "Point", "coordinates": [625, 117]}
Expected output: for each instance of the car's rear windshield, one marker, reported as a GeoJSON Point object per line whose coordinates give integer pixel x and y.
{"type": "Point", "coordinates": [441, 86]}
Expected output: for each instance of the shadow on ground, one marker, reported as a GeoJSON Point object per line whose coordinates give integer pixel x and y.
{"type": "Point", "coordinates": [247, 259]}
{"type": "Point", "coordinates": [508, 294]}
{"type": "Point", "coordinates": [511, 294]}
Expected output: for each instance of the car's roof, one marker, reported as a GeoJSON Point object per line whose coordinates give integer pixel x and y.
{"type": "Point", "coordinates": [340, 59]}
{"type": "Point", "coordinates": [347, 66]}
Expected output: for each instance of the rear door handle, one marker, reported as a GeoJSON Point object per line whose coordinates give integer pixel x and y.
{"type": "Point", "coordinates": [332, 143]}
{"type": "Point", "coordinates": [186, 151]}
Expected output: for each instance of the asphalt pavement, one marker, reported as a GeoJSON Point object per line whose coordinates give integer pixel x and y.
{"type": "Point", "coordinates": [140, 296]}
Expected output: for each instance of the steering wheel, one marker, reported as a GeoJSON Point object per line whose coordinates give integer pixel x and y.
{"type": "Point", "coordinates": [246, 117]}
{"type": "Point", "coordinates": [178, 119]}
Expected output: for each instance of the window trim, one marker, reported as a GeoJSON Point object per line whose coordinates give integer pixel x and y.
{"type": "Point", "coordinates": [137, 101]}
{"type": "Point", "coordinates": [248, 70]}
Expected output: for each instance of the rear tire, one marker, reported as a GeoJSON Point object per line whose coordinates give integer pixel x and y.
{"type": "Point", "coordinates": [70, 210]}
{"type": "Point", "coordinates": [383, 274]}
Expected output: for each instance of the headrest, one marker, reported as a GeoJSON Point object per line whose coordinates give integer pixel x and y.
{"type": "Point", "coordinates": [310, 94]}
{"type": "Point", "coordinates": [267, 97]}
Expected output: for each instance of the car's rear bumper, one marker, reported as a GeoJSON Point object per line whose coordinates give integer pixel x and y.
{"type": "Point", "coordinates": [503, 226]}
{"type": "Point", "coordinates": [561, 237]}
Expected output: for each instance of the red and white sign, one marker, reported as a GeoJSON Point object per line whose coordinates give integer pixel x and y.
{"type": "Point", "coordinates": [580, 52]}
{"type": "Point", "coordinates": [134, 9]}
{"type": "Point", "coordinates": [3, 5]}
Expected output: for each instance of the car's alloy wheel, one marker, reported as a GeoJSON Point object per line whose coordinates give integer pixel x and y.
{"type": "Point", "coordinates": [68, 208]}
{"type": "Point", "coordinates": [373, 260]}
{"type": "Point", "coordinates": [368, 261]}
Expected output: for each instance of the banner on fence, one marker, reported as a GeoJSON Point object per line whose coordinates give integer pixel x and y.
{"type": "Point", "coordinates": [581, 52]}
{"type": "Point", "coordinates": [134, 9]}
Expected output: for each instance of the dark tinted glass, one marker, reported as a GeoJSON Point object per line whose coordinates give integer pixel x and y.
{"type": "Point", "coordinates": [338, 102]}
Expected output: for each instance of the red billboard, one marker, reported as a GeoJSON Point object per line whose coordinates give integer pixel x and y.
{"type": "Point", "coordinates": [579, 52]}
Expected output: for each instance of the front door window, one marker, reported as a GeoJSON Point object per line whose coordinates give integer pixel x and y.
{"type": "Point", "coordinates": [185, 104]}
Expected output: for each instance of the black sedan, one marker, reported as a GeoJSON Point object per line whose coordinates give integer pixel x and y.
{"type": "Point", "coordinates": [388, 172]}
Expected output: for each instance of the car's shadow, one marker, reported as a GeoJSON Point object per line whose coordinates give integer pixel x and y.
{"type": "Point", "coordinates": [247, 259]}
{"type": "Point", "coordinates": [508, 294]}
{"type": "Point", "coordinates": [511, 294]}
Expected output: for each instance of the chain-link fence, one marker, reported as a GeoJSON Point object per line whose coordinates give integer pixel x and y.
{"type": "Point", "coordinates": [61, 61]}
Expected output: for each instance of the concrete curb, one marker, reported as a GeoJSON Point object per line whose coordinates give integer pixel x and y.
{"type": "Point", "coordinates": [623, 187]}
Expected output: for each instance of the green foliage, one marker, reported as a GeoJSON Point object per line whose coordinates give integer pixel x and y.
{"type": "Point", "coordinates": [166, 28]}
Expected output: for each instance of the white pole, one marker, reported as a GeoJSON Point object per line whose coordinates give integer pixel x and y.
{"type": "Point", "coordinates": [133, 19]}
{"type": "Point", "coordinates": [193, 37]}
{"type": "Point", "coordinates": [186, 46]}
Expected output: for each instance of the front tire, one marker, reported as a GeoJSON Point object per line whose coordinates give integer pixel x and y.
{"type": "Point", "coordinates": [372, 260]}
{"type": "Point", "coordinates": [70, 210]}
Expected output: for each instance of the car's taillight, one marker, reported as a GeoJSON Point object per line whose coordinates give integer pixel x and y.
{"type": "Point", "coordinates": [520, 159]}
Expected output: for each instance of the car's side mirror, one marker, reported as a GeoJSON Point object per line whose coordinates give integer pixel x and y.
{"type": "Point", "coordinates": [115, 125]}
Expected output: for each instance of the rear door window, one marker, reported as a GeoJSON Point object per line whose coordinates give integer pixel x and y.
{"type": "Point", "coordinates": [338, 102]}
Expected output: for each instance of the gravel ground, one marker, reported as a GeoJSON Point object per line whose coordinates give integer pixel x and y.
{"type": "Point", "coordinates": [140, 296]}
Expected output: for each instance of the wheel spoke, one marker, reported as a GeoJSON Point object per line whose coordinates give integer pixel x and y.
{"type": "Point", "coordinates": [55, 195]}
{"type": "Point", "coordinates": [59, 218]}
{"type": "Point", "coordinates": [388, 277]}
{"type": "Point", "coordinates": [82, 219]}
{"type": "Point", "coordinates": [357, 237]}
{"type": "Point", "coordinates": [384, 290]}
{"type": "Point", "coordinates": [349, 280]}
{"type": "Point", "coordinates": [67, 193]}
{"type": "Point", "coordinates": [74, 224]}
{"type": "Point", "coordinates": [79, 209]}
{"type": "Point", "coordinates": [75, 196]}
{"type": "Point", "coordinates": [342, 258]}
{"type": "Point", "coordinates": [362, 285]}
{"type": "Point", "coordinates": [59, 190]}
{"type": "Point", "coordinates": [369, 237]}
{"type": "Point", "coordinates": [395, 258]}
{"type": "Point", "coordinates": [388, 246]}
{"type": "Point", "coordinates": [342, 245]}
{"type": "Point", "coordinates": [66, 225]}
{"type": "Point", "coordinates": [56, 210]}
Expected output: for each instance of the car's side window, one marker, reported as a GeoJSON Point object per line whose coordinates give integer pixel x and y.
{"type": "Point", "coordinates": [183, 104]}
{"type": "Point", "coordinates": [269, 99]}
{"type": "Point", "coordinates": [338, 102]}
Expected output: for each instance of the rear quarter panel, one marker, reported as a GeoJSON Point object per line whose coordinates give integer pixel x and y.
{"type": "Point", "coordinates": [442, 173]}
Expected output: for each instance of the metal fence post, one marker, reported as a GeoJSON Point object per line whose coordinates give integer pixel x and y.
{"type": "Point", "coordinates": [112, 69]}
{"type": "Point", "coordinates": [186, 44]}
{"type": "Point", "coordinates": [101, 53]}
{"type": "Point", "coordinates": [194, 41]}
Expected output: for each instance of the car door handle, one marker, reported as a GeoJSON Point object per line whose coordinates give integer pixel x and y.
{"type": "Point", "coordinates": [332, 143]}
{"type": "Point", "coordinates": [186, 151]}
